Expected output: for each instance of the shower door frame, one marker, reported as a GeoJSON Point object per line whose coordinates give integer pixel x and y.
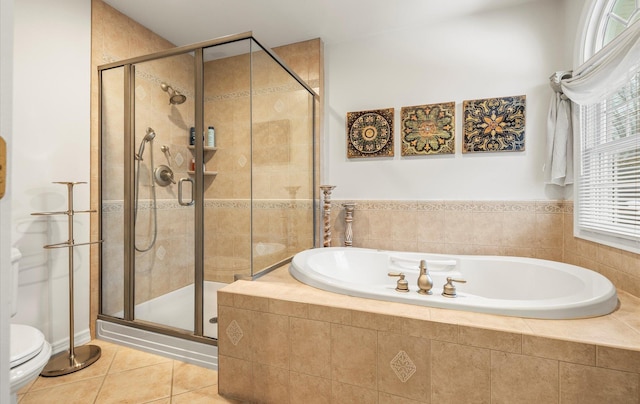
{"type": "Point", "coordinates": [129, 227]}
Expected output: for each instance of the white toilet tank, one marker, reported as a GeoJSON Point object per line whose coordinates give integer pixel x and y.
{"type": "Point", "coordinates": [15, 267]}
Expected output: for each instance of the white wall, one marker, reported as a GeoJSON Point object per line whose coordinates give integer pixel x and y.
{"type": "Point", "coordinates": [503, 52]}
{"type": "Point", "coordinates": [51, 143]}
{"type": "Point", "coordinates": [6, 49]}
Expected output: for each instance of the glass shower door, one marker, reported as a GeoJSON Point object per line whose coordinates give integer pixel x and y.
{"type": "Point", "coordinates": [227, 171]}
{"type": "Point", "coordinates": [207, 176]}
{"type": "Point", "coordinates": [164, 175]}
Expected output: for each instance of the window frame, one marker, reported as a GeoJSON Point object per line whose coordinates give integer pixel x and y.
{"type": "Point", "coordinates": [595, 21]}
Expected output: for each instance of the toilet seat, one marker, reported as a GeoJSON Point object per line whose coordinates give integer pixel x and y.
{"type": "Point", "coordinates": [26, 343]}
{"type": "Point", "coordinates": [29, 369]}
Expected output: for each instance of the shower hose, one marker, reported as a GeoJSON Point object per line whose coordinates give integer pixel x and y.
{"type": "Point", "coordinates": [153, 197]}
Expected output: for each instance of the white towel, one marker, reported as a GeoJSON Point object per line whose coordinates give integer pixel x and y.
{"type": "Point", "coordinates": [558, 167]}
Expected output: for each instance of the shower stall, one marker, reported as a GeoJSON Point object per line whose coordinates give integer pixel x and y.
{"type": "Point", "coordinates": [207, 175]}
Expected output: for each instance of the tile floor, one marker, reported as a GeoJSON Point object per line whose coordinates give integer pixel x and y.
{"type": "Point", "coordinates": [125, 375]}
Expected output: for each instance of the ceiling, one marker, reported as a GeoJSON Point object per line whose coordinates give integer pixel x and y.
{"type": "Point", "coordinates": [279, 22]}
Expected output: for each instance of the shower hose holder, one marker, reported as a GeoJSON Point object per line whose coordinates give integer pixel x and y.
{"type": "Point", "coordinates": [75, 358]}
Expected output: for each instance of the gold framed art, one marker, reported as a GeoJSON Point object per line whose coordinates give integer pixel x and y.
{"type": "Point", "coordinates": [494, 124]}
{"type": "Point", "coordinates": [428, 129]}
{"type": "Point", "coordinates": [370, 133]}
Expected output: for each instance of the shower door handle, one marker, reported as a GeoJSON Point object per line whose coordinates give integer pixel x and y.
{"type": "Point", "coordinates": [180, 201]}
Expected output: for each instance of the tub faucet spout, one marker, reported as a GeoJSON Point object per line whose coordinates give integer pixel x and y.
{"type": "Point", "coordinates": [425, 283]}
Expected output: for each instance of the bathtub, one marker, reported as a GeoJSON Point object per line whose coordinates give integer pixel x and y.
{"type": "Point", "coordinates": [511, 286]}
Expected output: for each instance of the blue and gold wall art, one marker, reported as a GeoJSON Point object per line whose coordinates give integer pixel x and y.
{"type": "Point", "coordinates": [494, 124]}
{"type": "Point", "coordinates": [370, 133]}
{"type": "Point", "coordinates": [428, 129]}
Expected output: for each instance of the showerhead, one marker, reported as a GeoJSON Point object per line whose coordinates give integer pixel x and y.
{"type": "Point", "coordinates": [175, 97]}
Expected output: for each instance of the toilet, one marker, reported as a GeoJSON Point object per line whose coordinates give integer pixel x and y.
{"type": "Point", "coordinates": [29, 351]}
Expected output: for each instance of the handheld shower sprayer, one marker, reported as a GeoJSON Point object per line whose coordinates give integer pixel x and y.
{"type": "Point", "coordinates": [147, 138]}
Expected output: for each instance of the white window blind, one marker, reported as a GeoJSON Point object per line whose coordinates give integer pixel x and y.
{"type": "Point", "coordinates": [608, 194]}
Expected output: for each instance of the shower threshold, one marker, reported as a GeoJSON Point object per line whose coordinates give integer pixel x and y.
{"type": "Point", "coordinates": [169, 309]}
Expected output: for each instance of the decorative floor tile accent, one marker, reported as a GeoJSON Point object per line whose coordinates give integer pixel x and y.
{"type": "Point", "coordinates": [494, 124]}
{"type": "Point", "coordinates": [234, 332]}
{"type": "Point", "coordinates": [403, 366]}
{"type": "Point", "coordinates": [370, 133]}
{"type": "Point", "coordinates": [428, 129]}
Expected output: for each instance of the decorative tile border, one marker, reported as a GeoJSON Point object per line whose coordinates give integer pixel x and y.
{"type": "Point", "coordinates": [462, 206]}
{"type": "Point", "coordinates": [167, 204]}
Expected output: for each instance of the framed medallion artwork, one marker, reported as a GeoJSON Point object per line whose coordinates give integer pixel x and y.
{"type": "Point", "coordinates": [370, 133]}
{"type": "Point", "coordinates": [428, 129]}
{"type": "Point", "coordinates": [494, 124]}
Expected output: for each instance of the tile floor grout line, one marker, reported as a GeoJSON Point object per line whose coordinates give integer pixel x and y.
{"type": "Point", "coordinates": [104, 377]}
{"type": "Point", "coordinates": [95, 399]}
{"type": "Point", "coordinates": [173, 374]}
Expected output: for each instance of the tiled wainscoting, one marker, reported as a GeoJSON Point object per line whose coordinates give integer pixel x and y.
{"type": "Point", "coordinates": [285, 342]}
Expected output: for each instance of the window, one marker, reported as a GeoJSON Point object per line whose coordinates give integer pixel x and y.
{"type": "Point", "coordinates": [608, 187]}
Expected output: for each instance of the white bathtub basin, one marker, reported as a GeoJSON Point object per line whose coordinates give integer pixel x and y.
{"type": "Point", "coordinates": [512, 286]}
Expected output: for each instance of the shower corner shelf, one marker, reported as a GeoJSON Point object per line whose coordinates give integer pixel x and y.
{"type": "Point", "coordinates": [75, 358]}
{"type": "Point", "coordinates": [206, 173]}
{"type": "Point", "coordinates": [205, 148]}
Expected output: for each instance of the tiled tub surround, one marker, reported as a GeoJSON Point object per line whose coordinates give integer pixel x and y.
{"type": "Point", "coordinates": [285, 342]}
{"type": "Point", "coordinates": [537, 229]}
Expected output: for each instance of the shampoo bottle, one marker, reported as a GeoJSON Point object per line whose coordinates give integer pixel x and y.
{"type": "Point", "coordinates": [211, 137]}
{"type": "Point", "coordinates": [192, 136]}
